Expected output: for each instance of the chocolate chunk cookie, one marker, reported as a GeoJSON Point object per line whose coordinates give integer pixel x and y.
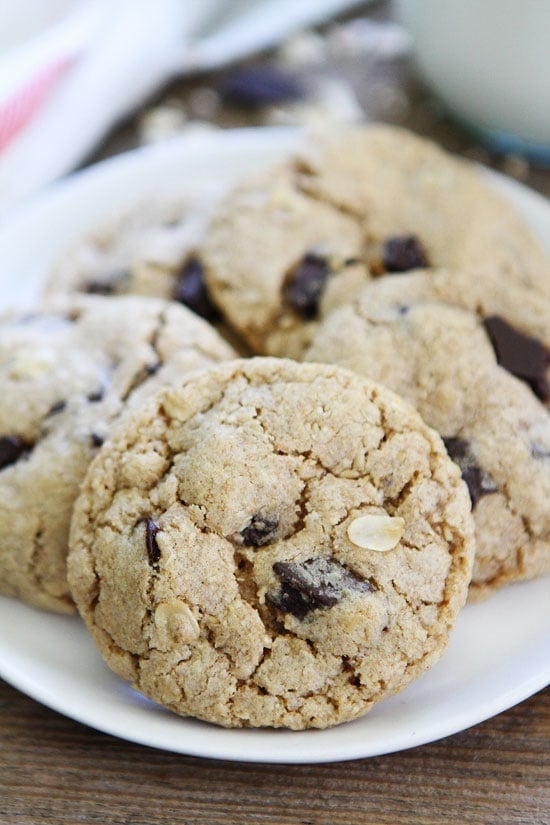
{"type": "Point", "coordinates": [449, 363]}
{"type": "Point", "coordinates": [272, 544]}
{"type": "Point", "coordinates": [517, 320]}
{"type": "Point", "coordinates": [66, 375]}
{"type": "Point", "coordinates": [151, 250]}
{"type": "Point", "coordinates": [359, 203]}
{"type": "Point", "coordinates": [272, 257]}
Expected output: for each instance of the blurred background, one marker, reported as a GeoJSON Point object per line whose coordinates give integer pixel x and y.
{"type": "Point", "coordinates": [81, 80]}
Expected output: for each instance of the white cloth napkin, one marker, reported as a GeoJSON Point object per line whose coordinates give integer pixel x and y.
{"type": "Point", "coordinates": [85, 64]}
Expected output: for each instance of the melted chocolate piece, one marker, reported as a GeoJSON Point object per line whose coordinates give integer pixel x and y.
{"type": "Point", "coordinates": [256, 86]}
{"type": "Point", "coordinates": [260, 530]}
{"type": "Point", "coordinates": [56, 408]}
{"type": "Point", "coordinates": [99, 288]}
{"type": "Point", "coordinates": [478, 481]}
{"type": "Point", "coordinates": [97, 440]}
{"type": "Point", "coordinates": [403, 253]}
{"type": "Point", "coordinates": [305, 285]}
{"type": "Point", "coordinates": [153, 550]}
{"type": "Point", "coordinates": [11, 449]}
{"type": "Point", "coordinates": [317, 582]}
{"type": "Point", "coordinates": [96, 396]}
{"type": "Point", "coordinates": [522, 355]}
{"type": "Point", "coordinates": [289, 600]}
{"type": "Point", "coordinates": [190, 289]}
{"type": "Point", "coordinates": [108, 287]}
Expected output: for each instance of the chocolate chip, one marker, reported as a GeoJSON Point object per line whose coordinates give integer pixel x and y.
{"type": "Point", "coordinates": [190, 289]}
{"type": "Point", "coordinates": [289, 600]}
{"type": "Point", "coordinates": [253, 87]}
{"type": "Point", "coordinates": [153, 550]}
{"type": "Point", "coordinates": [113, 284]}
{"type": "Point", "coordinates": [317, 582]}
{"type": "Point", "coordinates": [478, 481]}
{"type": "Point", "coordinates": [305, 284]}
{"type": "Point", "coordinates": [97, 440]}
{"type": "Point", "coordinates": [522, 355]}
{"type": "Point", "coordinates": [96, 396]}
{"type": "Point", "coordinates": [56, 408]}
{"type": "Point", "coordinates": [403, 253]}
{"type": "Point", "coordinates": [260, 530]}
{"type": "Point", "coordinates": [11, 449]}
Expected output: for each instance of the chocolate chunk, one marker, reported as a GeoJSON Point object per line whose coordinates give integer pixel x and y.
{"type": "Point", "coordinates": [56, 408]}
{"type": "Point", "coordinates": [523, 356]}
{"type": "Point", "coordinates": [403, 253]}
{"type": "Point", "coordinates": [99, 288]}
{"type": "Point", "coordinates": [255, 86]}
{"type": "Point", "coordinates": [96, 396]}
{"type": "Point", "coordinates": [478, 481]}
{"type": "Point", "coordinates": [153, 550]}
{"type": "Point", "coordinates": [317, 582]}
{"type": "Point", "coordinates": [289, 600]}
{"type": "Point", "coordinates": [97, 440]}
{"type": "Point", "coordinates": [260, 530]}
{"type": "Point", "coordinates": [190, 289]}
{"type": "Point", "coordinates": [11, 449]}
{"type": "Point", "coordinates": [305, 284]}
{"type": "Point", "coordinates": [110, 286]}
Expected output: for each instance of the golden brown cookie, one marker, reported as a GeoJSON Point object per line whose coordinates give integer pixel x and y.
{"type": "Point", "coordinates": [66, 375]}
{"type": "Point", "coordinates": [291, 244]}
{"type": "Point", "coordinates": [272, 544]}
{"type": "Point", "coordinates": [476, 381]}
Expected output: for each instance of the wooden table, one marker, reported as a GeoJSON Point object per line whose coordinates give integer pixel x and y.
{"type": "Point", "coordinates": [54, 771]}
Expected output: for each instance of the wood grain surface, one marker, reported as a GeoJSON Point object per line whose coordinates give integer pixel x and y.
{"type": "Point", "coordinates": [53, 770]}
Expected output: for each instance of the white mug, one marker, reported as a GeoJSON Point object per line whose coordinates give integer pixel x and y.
{"type": "Point", "coordinates": [489, 62]}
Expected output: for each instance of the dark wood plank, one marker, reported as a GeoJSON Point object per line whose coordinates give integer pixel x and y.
{"type": "Point", "coordinates": [53, 770]}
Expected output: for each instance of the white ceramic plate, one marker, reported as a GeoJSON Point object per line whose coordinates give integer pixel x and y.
{"type": "Point", "coordinates": [500, 650]}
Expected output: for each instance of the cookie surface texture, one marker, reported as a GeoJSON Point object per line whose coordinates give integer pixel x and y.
{"type": "Point", "coordinates": [66, 375]}
{"type": "Point", "coordinates": [290, 245]}
{"type": "Point", "coordinates": [152, 250]}
{"type": "Point", "coordinates": [443, 360]}
{"type": "Point", "coordinates": [272, 544]}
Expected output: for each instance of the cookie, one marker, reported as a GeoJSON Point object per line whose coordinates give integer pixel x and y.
{"type": "Point", "coordinates": [152, 249]}
{"type": "Point", "coordinates": [516, 319]}
{"type": "Point", "coordinates": [272, 253]}
{"type": "Point", "coordinates": [66, 376]}
{"type": "Point", "coordinates": [288, 246]}
{"type": "Point", "coordinates": [444, 360]}
{"type": "Point", "coordinates": [271, 543]}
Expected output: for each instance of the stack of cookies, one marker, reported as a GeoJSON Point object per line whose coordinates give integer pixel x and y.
{"type": "Point", "coordinates": [268, 449]}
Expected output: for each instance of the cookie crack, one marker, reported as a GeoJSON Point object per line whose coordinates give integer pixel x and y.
{"type": "Point", "coordinates": [302, 172]}
{"type": "Point", "coordinates": [303, 510]}
{"type": "Point", "coordinates": [145, 372]}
